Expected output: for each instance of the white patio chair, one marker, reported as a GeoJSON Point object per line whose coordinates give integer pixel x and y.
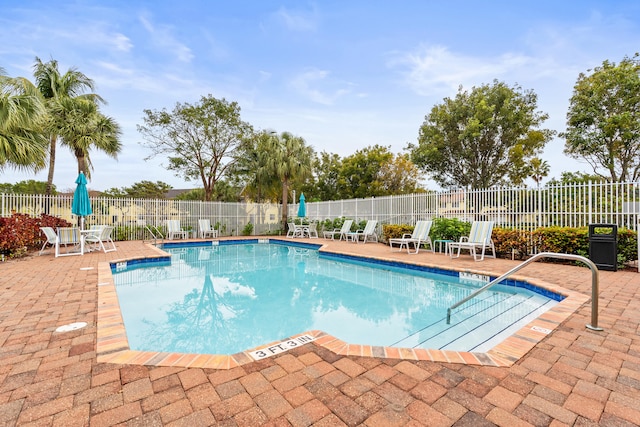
{"type": "Point", "coordinates": [174, 231]}
{"type": "Point", "coordinates": [342, 232]}
{"type": "Point", "coordinates": [101, 237]}
{"type": "Point", "coordinates": [205, 229]}
{"type": "Point", "coordinates": [368, 233]}
{"type": "Point", "coordinates": [294, 230]}
{"type": "Point", "coordinates": [419, 237]}
{"type": "Point", "coordinates": [312, 230]}
{"type": "Point", "coordinates": [70, 238]}
{"type": "Point", "coordinates": [479, 239]}
{"type": "Point", "coordinates": [51, 236]}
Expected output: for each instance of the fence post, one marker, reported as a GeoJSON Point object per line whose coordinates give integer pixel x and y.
{"type": "Point", "coordinates": [590, 203]}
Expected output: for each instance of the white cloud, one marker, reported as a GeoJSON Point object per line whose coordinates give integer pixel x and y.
{"type": "Point", "coordinates": [307, 84]}
{"type": "Point", "coordinates": [122, 42]}
{"type": "Point", "coordinates": [264, 76]}
{"type": "Point", "coordinates": [297, 21]}
{"type": "Point", "coordinates": [215, 48]}
{"type": "Point", "coordinates": [436, 69]}
{"type": "Point", "coordinates": [162, 37]}
{"type": "Point", "coordinates": [115, 68]}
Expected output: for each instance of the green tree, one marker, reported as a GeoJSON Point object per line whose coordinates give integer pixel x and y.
{"type": "Point", "coordinates": [575, 178]}
{"type": "Point", "coordinates": [538, 169]}
{"type": "Point", "coordinates": [114, 192]}
{"type": "Point", "coordinates": [31, 186]}
{"type": "Point", "coordinates": [603, 121]}
{"type": "Point", "coordinates": [249, 173]}
{"type": "Point", "coordinates": [202, 141]}
{"type": "Point", "coordinates": [58, 90]}
{"type": "Point", "coordinates": [223, 192]}
{"type": "Point", "coordinates": [22, 143]}
{"type": "Point", "coordinates": [141, 190]}
{"type": "Point", "coordinates": [400, 176]}
{"type": "Point", "coordinates": [289, 159]}
{"type": "Point", "coordinates": [361, 174]}
{"type": "Point", "coordinates": [149, 190]}
{"type": "Point", "coordinates": [326, 171]}
{"type": "Point", "coordinates": [195, 194]}
{"type": "Point", "coordinates": [481, 138]}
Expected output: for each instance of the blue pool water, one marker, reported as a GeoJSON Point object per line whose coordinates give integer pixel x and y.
{"type": "Point", "coordinates": [232, 297]}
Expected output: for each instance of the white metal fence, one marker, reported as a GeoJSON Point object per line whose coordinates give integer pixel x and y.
{"type": "Point", "coordinates": [133, 218]}
{"type": "Point", "coordinates": [575, 205]}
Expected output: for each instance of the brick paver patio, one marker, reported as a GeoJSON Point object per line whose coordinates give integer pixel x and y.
{"type": "Point", "coordinates": [573, 377]}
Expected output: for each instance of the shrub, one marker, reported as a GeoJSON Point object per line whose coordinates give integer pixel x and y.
{"type": "Point", "coordinates": [248, 229]}
{"type": "Point", "coordinates": [562, 239]}
{"type": "Point", "coordinates": [20, 233]}
{"type": "Point", "coordinates": [627, 246]}
{"type": "Point", "coordinates": [122, 232]}
{"type": "Point", "coordinates": [359, 225]}
{"type": "Point", "coordinates": [449, 229]}
{"type": "Point", "coordinates": [508, 240]}
{"type": "Point", "coordinates": [394, 231]}
{"type": "Point", "coordinates": [335, 224]}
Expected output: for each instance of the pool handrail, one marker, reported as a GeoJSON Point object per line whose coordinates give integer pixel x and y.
{"type": "Point", "coordinates": [594, 284]}
{"type": "Point", "coordinates": [155, 238]}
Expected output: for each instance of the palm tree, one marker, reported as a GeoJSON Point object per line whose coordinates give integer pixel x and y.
{"type": "Point", "coordinates": [56, 88]}
{"type": "Point", "coordinates": [256, 181]}
{"type": "Point", "coordinates": [288, 158]}
{"type": "Point", "coordinates": [538, 170]}
{"type": "Point", "coordinates": [82, 127]}
{"type": "Point", "coordinates": [22, 143]}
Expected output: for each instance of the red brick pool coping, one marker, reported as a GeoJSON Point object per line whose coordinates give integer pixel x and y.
{"type": "Point", "coordinates": [113, 346]}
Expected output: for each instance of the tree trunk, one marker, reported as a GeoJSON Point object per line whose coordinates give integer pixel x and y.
{"type": "Point", "coordinates": [82, 162]}
{"type": "Point", "coordinates": [208, 191]}
{"type": "Point", "coordinates": [208, 187]}
{"type": "Point", "coordinates": [52, 163]}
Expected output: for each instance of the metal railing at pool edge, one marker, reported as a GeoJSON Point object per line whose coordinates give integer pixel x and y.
{"type": "Point", "coordinates": [594, 284]}
{"type": "Point", "coordinates": [155, 238]}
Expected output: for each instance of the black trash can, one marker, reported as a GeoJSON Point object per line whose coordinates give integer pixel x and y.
{"type": "Point", "coordinates": [603, 246]}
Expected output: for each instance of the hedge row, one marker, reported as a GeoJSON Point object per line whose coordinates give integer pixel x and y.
{"type": "Point", "coordinates": [20, 233]}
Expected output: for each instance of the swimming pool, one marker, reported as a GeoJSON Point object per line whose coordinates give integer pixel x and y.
{"type": "Point", "coordinates": [234, 297]}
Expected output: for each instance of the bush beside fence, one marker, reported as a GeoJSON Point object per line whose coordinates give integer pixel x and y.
{"type": "Point", "coordinates": [520, 244]}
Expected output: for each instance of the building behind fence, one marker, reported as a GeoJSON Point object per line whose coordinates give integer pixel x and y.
{"type": "Point", "coordinates": [573, 205]}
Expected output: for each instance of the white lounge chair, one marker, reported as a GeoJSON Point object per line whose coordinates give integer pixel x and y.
{"type": "Point", "coordinates": [70, 238]}
{"type": "Point", "coordinates": [479, 239]}
{"type": "Point", "coordinates": [205, 229]}
{"type": "Point", "coordinates": [342, 232]}
{"type": "Point", "coordinates": [51, 236]}
{"type": "Point", "coordinates": [368, 233]}
{"type": "Point", "coordinates": [419, 237]}
{"type": "Point", "coordinates": [174, 231]}
{"type": "Point", "coordinates": [101, 237]}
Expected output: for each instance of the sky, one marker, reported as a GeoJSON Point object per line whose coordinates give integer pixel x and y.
{"type": "Point", "coordinates": [343, 75]}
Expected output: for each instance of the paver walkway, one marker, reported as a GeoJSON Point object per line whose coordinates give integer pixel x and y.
{"type": "Point", "coordinates": [573, 377]}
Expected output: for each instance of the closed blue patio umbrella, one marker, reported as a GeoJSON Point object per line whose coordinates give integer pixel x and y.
{"type": "Point", "coordinates": [81, 205]}
{"type": "Point", "coordinates": [302, 209]}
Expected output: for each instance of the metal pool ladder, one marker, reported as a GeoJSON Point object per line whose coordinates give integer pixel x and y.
{"type": "Point", "coordinates": [594, 284]}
